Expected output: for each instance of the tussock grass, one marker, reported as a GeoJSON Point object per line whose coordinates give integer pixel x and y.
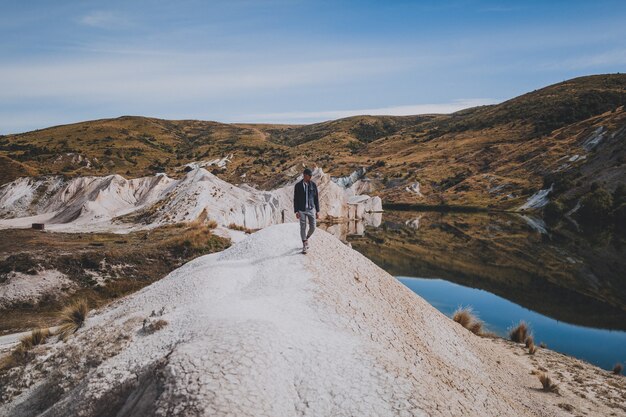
{"type": "Point", "coordinates": [529, 341]}
{"type": "Point", "coordinates": [20, 355]}
{"type": "Point", "coordinates": [519, 333]}
{"type": "Point", "coordinates": [234, 226]}
{"type": "Point", "coordinates": [36, 337]}
{"type": "Point", "coordinates": [547, 383]}
{"type": "Point", "coordinates": [618, 368]}
{"type": "Point", "coordinates": [72, 318]}
{"type": "Point", "coordinates": [197, 238]}
{"type": "Point", "coordinates": [532, 349]}
{"type": "Point", "coordinates": [466, 318]}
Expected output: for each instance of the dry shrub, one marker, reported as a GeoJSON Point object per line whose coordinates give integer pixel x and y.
{"type": "Point", "coordinates": [617, 369]}
{"type": "Point", "coordinates": [72, 318]}
{"type": "Point", "coordinates": [150, 326]}
{"type": "Point", "coordinates": [547, 383]}
{"type": "Point", "coordinates": [529, 341]}
{"type": "Point", "coordinates": [519, 334]}
{"type": "Point", "coordinates": [234, 226]}
{"type": "Point", "coordinates": [36, 337]}
{"type": "Point", "coordinates": [532, 349]}
{"type": "Point", "coordinates": [466, 318]}
{"type": "Point", "coordinates": [195, 239]}
{"type": "Point", "coordinates": [20, 355]}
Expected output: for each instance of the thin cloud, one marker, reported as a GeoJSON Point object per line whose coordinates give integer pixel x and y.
{"type": "Point", "coordinates": [408, 110]}
{"type": "Point", "coordinates": [585, 62]}
{"type": "Point", "coordinates": [184, 78]}
{"type": "Point", "coordinates": [104, 20]}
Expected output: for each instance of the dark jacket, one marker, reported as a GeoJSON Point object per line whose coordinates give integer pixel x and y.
{"type": "Point", "coordinates": [299, 198]}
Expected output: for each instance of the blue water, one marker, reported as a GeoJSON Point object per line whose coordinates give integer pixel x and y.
{"type": "Point", "coordinates": [603, 348]}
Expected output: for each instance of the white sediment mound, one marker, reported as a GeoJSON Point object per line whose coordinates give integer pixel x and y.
{"type": "Point", "coordinates": [415, 189]}
{"type": "Point", "coordinates": [262, 330]}
{"type": "Point", "coordinates": [19, 288]}
{"type": "Point", "coordinates": [100, 203]}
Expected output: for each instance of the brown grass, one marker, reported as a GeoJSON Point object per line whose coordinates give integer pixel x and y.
{"type": "Point", "coordinates": [532, 349]}
{"type": "Point", "coordinates": [20, 355]}
{"type": "Point", "coordinates": [196, 239]}
{"type": "Point", "coordinates": [617, 369]}
{"type": "Point", "coordinates": [150, 327]}
{"type": "Point", "coordinates": [234, 226]}
{"type": "Point", "coordinates": [466, 318]}
{"type": "Point", "coordinates": [529, 341]}
{"type": "Point", "coordinates": [36, 337]}
{"type": "Point", "coordinates": [520, 333]}
{"type": "Point", "coordinates": [72, 318]}
{"type": "Point", "coordinates": [547, 383]}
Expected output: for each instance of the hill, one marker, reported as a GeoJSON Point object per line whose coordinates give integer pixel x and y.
{"type": "Point", "coordinates": [490, 156]}
{"type": "Point", "coordinates": [259, 329]}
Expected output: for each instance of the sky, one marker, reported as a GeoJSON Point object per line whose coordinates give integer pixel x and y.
{"type": "Point", "coordinates": [290, 61]}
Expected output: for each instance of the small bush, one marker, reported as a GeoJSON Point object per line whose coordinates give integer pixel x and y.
{"type": "Point", "coordinates": [72, 318]}
{"type": "Point", "coordinates": [519, 334]}
{"type": "Point", "coordinates": [36, 337]}
{"type": "Point", "coordinates": [617, 369]}
{"type": "Point", "coordinates": [234, 226]}
{"type": "Point", "coordinates": [596, 207]}
{"type": "Point", "coordinates": [466, 318]}
{"type": "Point", "coordinates": [547, 383]}
{"type": "Point", "coordinates": [553, 210]}
{"type": "Point", "coordinates": [20, 355]}
{"type": "Point", "coordinates": [529, 341]}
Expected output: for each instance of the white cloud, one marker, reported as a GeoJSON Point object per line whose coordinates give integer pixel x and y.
{"type": "Point", "coordinates": [409, 110]}
{"type": "Point", "coordinates": [104, 20]}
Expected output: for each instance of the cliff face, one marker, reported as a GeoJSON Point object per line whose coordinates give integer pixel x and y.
{"type": "Point", "coordinates": [262, 330]}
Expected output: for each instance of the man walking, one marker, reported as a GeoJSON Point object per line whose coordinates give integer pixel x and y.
{"type": "Point", "coordinates": [306, 206]}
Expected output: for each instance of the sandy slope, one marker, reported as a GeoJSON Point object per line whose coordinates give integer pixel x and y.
{"type": "Point", "coordinates": [262, 330]}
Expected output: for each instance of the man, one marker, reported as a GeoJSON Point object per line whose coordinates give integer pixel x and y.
{"type": "Point", "coordinates": [306, 206]}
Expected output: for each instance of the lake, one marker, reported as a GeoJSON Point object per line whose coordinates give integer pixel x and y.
{"type": "Point", "coordinates": [569, 286]}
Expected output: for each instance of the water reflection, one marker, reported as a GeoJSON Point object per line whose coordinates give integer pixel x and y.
{"type": "Point", "coordinates": [604, 348]}
{"type": "Point", "coordinates": [352, 228]}
{"type": "Point", "coordinates": [559, 274]}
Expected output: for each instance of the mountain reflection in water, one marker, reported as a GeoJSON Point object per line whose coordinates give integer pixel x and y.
{"type": "Point", "coordinates": [560, 274]}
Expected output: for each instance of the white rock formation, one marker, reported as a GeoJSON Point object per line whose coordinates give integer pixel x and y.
{"type": "Point", "coordinates": [594, 139]}
{"type": "Point", "coordinates": [100, 203]}
{"type": "Point", "coordinates": [415, 189]}
{"type": "Point", "coordinates": [537, 200]}
{"type": "Point", "coordinates": [261, 330]}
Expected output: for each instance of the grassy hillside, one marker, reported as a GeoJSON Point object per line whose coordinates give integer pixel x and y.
{"type": "Point", "coordinates": [489, 156]}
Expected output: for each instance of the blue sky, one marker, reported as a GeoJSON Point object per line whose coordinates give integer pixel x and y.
{"type": "Point", "coordinates": [290, 61]}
